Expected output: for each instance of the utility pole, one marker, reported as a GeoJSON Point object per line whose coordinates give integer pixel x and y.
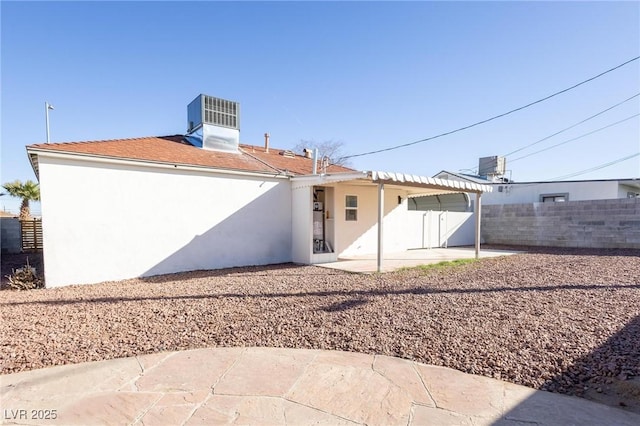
{"type": "Point", "coordinates": [47, 107]}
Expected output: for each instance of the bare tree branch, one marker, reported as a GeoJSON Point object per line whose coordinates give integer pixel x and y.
{"type": "Point", "coordinates": [332, 149]}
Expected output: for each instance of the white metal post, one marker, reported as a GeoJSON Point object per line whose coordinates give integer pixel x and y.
{"type": "Point", "coordinates": [47, 107]}
{"type": "Point", "coordinates": [478, 214]}
{"type": "Point", "coordinates": [380, 221]}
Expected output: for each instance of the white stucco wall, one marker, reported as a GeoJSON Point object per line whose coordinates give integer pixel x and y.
{"type": "Point", "coordinates": [107, 222]}
{"type": "Point", "coordinates": [302, 232]}
{"type": "Point", "coordinates": [361, 236]}
{"type": "Point", "coordinates": [519, 193]}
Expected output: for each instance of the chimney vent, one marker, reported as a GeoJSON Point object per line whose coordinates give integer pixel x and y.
{"type": "Point", "coordinates": [308, 153]}
{"type": "Point", "coordinates": [266, 142]}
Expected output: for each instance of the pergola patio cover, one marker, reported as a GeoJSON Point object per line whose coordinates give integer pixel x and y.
{"type": "Point", "coordinates": [415, 186]}
{"type": "Point", "coordinates": [423, 186]}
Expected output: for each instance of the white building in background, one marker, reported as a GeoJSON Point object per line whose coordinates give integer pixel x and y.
{"type": "Point", "coordinates": [561, 191]}
{"type": "Point", "coordinates": [127, 208]}
{"type": "Point", "coordinates": [558, 191]}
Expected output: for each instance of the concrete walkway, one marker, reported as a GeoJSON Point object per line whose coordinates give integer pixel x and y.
{"type": "Point", "coordinates": [282, 386]}
{"type": "Point", "coordinates": [367, 264]}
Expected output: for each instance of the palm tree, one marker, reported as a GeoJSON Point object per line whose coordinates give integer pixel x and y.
{"type": "Point", "coordinates": [28, 191]}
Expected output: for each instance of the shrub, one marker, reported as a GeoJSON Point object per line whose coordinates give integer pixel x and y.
{"type": "Point", "coordinates": [25, 278]}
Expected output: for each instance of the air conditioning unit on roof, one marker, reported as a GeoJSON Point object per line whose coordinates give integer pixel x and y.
{"type": "Point", "coordinates": [214, 123]}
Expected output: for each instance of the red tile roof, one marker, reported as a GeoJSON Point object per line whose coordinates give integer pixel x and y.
{"type": "Point", "coordinates": [174, 150]}
{"type": "Point", "coordinates": [298, 165]}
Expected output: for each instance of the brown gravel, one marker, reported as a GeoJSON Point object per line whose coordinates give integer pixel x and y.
{"type": "Point", "coordinates": [563, 320]}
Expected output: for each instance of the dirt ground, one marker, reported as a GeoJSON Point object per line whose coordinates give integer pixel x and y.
{"type": "Point", "coordinates": [566, 321]}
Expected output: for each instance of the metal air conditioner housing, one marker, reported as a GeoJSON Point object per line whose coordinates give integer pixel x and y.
{"type": "Point", "coordinates": [492, 166]}
{"type": "Point", "coordinates": [214, 123]}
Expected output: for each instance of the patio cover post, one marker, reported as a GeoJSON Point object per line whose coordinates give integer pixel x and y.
{"type": "Point", "coordinates": [478, 214]}
{"type": "Point", "coordinates": [380, 220]}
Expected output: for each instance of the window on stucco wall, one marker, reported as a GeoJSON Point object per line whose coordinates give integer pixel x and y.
{"type": "Point", "coordinates": [554, 198]}
{"type": "Point", "coordinates": [351, 208]}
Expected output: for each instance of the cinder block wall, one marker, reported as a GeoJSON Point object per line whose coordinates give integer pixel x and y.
{"type": "Point", "coordinates": [597, 223]}
{"type": "Point", "coordinates": [10, 241]}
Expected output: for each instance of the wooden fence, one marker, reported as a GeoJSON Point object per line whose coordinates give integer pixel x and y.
{"type": "Point", "coordinates": [31, 234]}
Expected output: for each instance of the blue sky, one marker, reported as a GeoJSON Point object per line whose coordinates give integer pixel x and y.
{"type": "Point", "coordinates": [370, 74]}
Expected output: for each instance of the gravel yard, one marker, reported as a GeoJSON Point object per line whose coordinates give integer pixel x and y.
{"type": "Point", "coordinates": [562, 320]}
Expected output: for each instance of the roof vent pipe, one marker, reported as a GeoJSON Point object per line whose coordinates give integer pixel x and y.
{"type": "Point", "coordinates": [266, 142]}
{"type": "Point", "coordinates": [315, 161]}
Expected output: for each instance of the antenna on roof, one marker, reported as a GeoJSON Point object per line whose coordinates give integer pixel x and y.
{"type": "Point", "coordinates": [47, 107]}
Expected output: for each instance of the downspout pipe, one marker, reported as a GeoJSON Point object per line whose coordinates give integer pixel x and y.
{"type": "Point", "coordinates": [315, 162]}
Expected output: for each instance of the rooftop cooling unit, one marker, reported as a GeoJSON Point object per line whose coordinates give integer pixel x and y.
{"type": "Point", "coordinates": [492, 166]}
{"type": "Point", "coordinates": [214, 123]}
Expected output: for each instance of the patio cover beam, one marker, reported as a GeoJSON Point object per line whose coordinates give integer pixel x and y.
{"type": "Point", "coordinates": [478, 214]}
{"type": "Point", "coordinates": [434, 185]}
{"type": "Point", "coordinates": [380, 226]}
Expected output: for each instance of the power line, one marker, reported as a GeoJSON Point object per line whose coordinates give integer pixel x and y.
{"type": "Point", "coordinates": [576, 138]}
{"type": "Point", "coordinates": [601, 166]}
{"type": "Point", "coordinates": [543, 182]}
{"type": "Point", "coordinates": [565, 129]}
{"type": "Point", "coordinates": [592, 169]}
{"type": "Point", "coordinates": [492, 118]}
{"type": "Point", "coordinates": [571, 127]}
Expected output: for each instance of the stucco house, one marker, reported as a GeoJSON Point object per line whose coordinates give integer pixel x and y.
{"type": "Point", "coordinates": [125, 208]}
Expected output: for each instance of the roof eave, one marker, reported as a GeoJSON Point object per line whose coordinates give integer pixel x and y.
{"type": "Point", "coordinates": [33, 160]}
{"type": "Point", "coordinates": [34, 152]}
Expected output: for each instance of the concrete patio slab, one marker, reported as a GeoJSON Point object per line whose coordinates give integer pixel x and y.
{"type": "Point", "coordinates": [186, 371]}
{"type": "Point", "coordinates": [355, 392]}
{"type": "Point", "coordinates": [367, 264]}
{"type": "Point", "coordinates": [466, 394]}
{"type": "Point", "coordinates": [282, 386]}
{"type": "Point", "coordinates": [254, 371]}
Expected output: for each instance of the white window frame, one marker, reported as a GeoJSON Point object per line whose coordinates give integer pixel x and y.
{"type": "Point", "coordinates": [348, 208]}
